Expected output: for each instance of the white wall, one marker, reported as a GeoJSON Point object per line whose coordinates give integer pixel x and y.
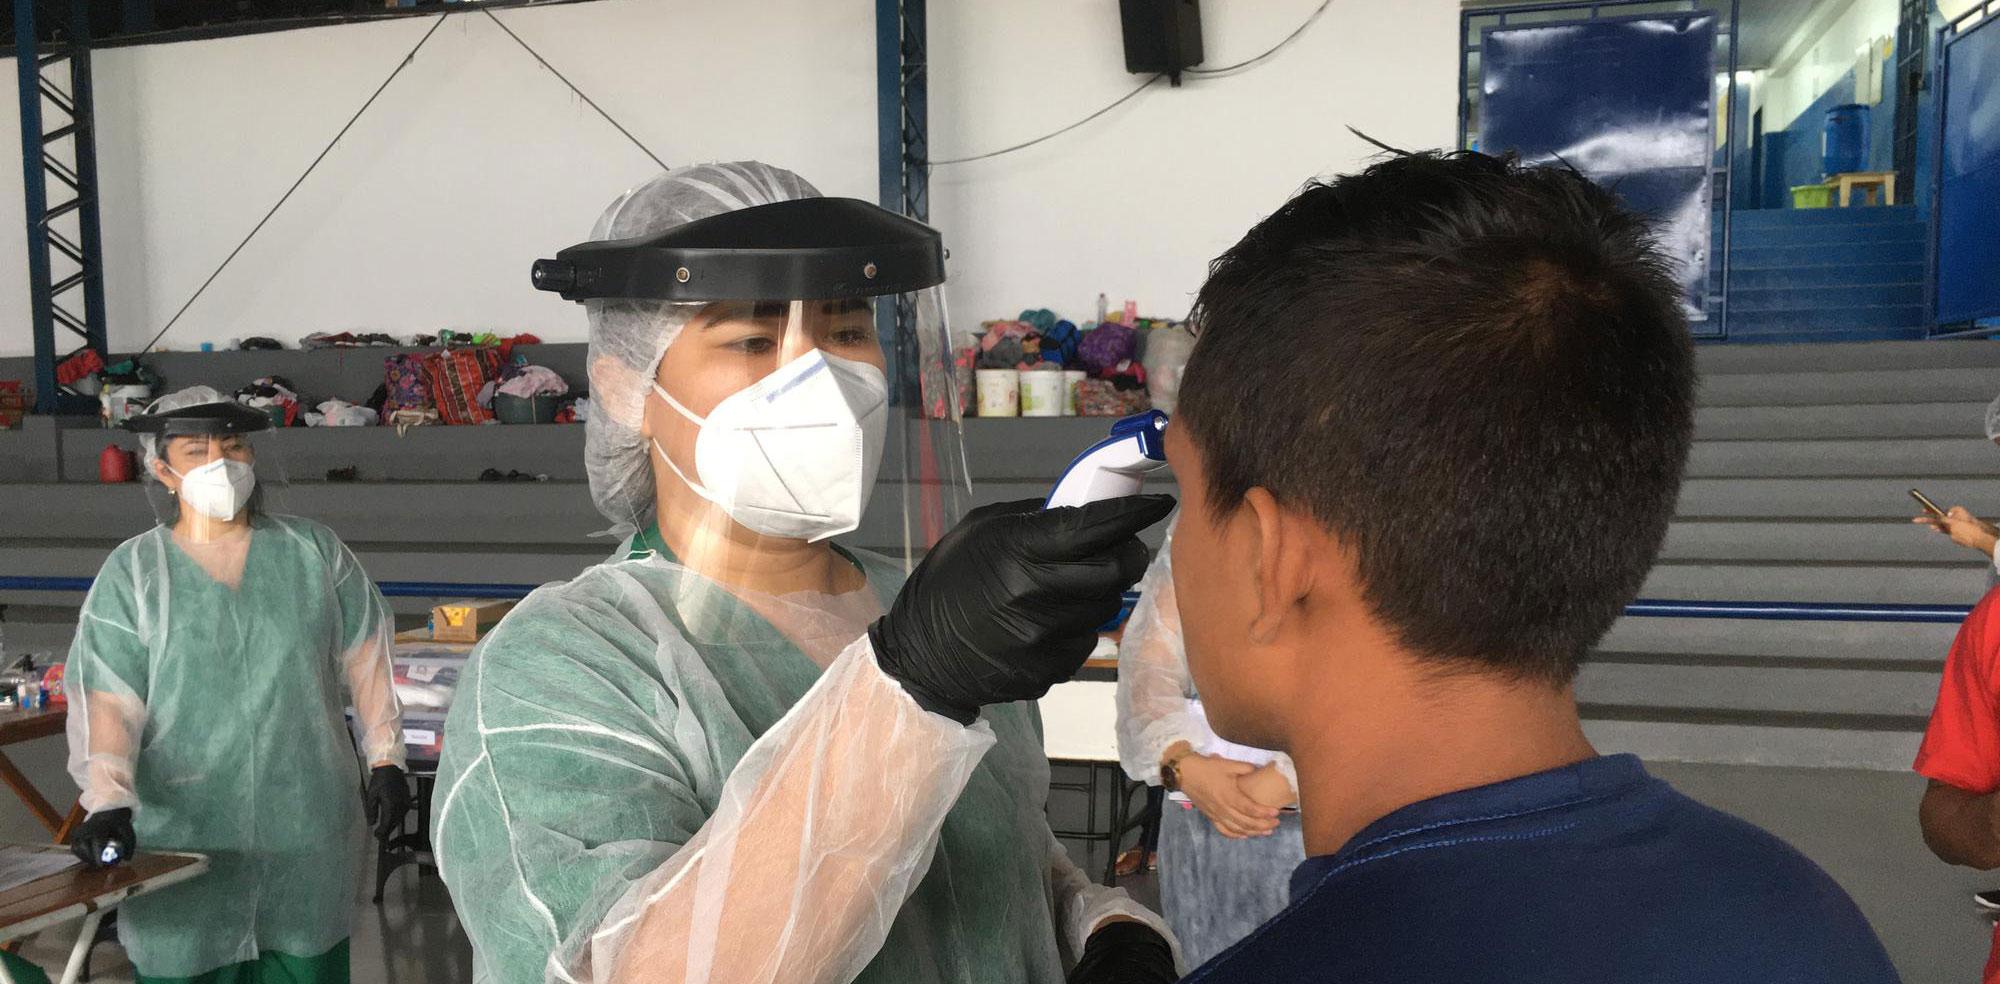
{"type": "Point", "coordinates": [473, 163]}
{"type": "Point", "coordinates": [1137, 202]}
{"type": "Point", "coordinates": [476, 160]}
{"type": "Point", "coordinates": [1824, 49]}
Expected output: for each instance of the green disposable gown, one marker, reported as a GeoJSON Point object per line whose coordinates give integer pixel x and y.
{"type": "Point", "coordinates": [591, 735]}
{"type": "Point", "coordinates": [243, 754]}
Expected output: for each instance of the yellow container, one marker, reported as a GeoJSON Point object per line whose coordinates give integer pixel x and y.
{"type": "Point", "coordinates": [1812, 196]}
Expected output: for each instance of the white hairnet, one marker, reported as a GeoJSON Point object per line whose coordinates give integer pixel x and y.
{"type": "Point", "coordinates": [193, 396]}
{"type": "Point", "coordinates": [627, 337]}
{"type": "Point", "coordinates": [1993, 421]}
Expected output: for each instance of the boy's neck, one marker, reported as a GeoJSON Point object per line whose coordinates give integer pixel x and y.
{"type": "Point", "coordinates": [1420, 735]}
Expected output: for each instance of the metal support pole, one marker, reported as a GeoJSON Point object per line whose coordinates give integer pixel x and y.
{"type": "Point", "coordinates": [903, 160]}
{"type": "Point", "coordinates": [85, 136]}
{"type": "Point", "coordinates": [60, 78]}
{"type": "Point", "coordinates": [28, 68]}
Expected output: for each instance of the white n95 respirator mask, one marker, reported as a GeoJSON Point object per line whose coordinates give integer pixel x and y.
{"type": "Point", "coordinates": [794, 454]}
{"type": "Point", "coordinates": [219, 489]}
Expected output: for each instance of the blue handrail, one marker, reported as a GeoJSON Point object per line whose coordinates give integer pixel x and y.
{"type": "Point", "coordinates": [1799, 611]}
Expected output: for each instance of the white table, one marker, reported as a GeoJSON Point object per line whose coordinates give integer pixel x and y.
{"type": "Point", "coordinates": [87, 894]}
{"type": "Point", "coordinates": [1080, 727]}
{"type": "Point", "coordinates": [1080, 722]}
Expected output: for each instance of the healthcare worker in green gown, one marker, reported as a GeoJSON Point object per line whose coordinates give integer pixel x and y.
{"type": "Point", "coordinates": [633, 784]}
{"type": "Point", "coordinates": [213, 659]}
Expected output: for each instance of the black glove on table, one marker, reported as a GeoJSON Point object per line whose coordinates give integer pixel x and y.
{"type": "Point", "coordinates": [1008, 603]}
{"type": "Point", "coordinates": [387, 800]}
{"type": "Point", "coordinates": [1125, 953]}
{"type": "Point", "coordinates": [100, 830]}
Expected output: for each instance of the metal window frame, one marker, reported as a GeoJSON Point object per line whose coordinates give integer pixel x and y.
{"type": "Point", "coordinates": [1722, 178]}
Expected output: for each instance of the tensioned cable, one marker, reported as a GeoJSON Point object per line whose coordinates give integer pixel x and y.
{"type": "Point", "coordinates": [592, 103]}
{"type": "Point", "coordinates": [287, 196]}
{"type": "Point", "coordinates": [1121, 100]}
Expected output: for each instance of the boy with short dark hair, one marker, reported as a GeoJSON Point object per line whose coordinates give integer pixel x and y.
{"type": "Point", "coordinates": [1428, 446]}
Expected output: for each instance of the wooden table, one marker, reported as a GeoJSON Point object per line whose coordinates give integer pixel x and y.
{"type": "Point", "coordinates": [87, 894]}
{"type": "Point", "coordinates": [17, 726]}
{"type": "Point", "coordinates": [1870, 183]}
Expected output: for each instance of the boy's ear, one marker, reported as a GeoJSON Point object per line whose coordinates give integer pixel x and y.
{"type": "Point", "coordinates": [1281, 548]}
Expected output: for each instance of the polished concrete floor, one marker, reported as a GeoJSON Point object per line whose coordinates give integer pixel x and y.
{"type": "Point", "coordinates": [1859, 826]}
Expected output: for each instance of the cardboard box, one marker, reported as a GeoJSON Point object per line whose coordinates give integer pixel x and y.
{"type": "Point", "coordinates": [467, 620]}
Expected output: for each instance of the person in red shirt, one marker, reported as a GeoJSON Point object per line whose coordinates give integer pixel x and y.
{"type": "Point", "coordinates": [1960, 754]}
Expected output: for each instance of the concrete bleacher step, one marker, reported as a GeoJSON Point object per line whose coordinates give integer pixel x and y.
{"type": "Point", "coordinates": [1927, 385]}
{"type": "Point", "coordinates": [1964, 353]}
{"type": "Point", "coordinates": [467, 563]}
{"type": "Point", "coordinates": [1873, 583]}
{"type": "Point", "coordinates": [1919, 645]}
{"type": "Point", "coordinates": [1828, 498]}
{"type": "Point", "coordinates": [1775, 691]}
{"type": "Point", "coordinates": [1809, 541]}
{"type": "Point", "coordinates": [1827, 745]}
{"type": "Point", "coordinates": [1956, 456]}
{"type": "Point", "coordinates": [1960, 421]}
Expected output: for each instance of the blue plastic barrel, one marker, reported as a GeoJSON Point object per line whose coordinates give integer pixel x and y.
{"type": "Point", "coordinates": [1845, 145]}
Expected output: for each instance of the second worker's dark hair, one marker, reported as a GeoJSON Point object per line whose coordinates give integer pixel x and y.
{"type": "Point", "coordinates": [1475, 374]}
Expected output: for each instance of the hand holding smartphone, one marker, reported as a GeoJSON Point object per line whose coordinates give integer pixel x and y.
{"type": "Point", "coordinates": [1929, 506]}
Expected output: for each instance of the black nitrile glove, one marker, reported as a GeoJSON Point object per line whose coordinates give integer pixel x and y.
{"type": "Point", "coordinates": [1125, 953]}
{"type": "Point", "coordinates": [106, 828]}
{"type": "Point", "coordinates": [1008, 604]}
{"type": "Point", "coordinates": [387, 800]}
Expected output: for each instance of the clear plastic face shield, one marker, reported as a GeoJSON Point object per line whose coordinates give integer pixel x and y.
{"type": "Point", "coordinates": [209, 468]}
{"type": "Point", "coordinates": [804, 393]}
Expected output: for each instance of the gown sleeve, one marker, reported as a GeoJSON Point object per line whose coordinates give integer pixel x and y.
{"type": "Point", "coordinates": [1083, 907]}
{"type": "Point", "coordinates": [579, 847]}
{"type": "Point", "coordinates": [105, 680]}
{"type": "Point", "coordinates": [367, 641]}
{"type": "Point", "coordinates": [1152, 674]}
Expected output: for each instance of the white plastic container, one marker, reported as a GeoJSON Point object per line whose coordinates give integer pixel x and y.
{"type": "Point", "coordinates": [1042, 393]}
{"type": "Point", "coordinates": [999, 392]}
{"type": "Point", "coordinates": [1072, 394]}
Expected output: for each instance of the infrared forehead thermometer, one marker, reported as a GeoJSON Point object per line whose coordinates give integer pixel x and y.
{"type": "Point", "coordinates": [1116, 466]}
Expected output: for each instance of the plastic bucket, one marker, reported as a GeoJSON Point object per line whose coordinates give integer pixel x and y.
{"type": "Point", "coordinates": [1844, 147]}
{"type": "Point", "coordinates": [513, 409]}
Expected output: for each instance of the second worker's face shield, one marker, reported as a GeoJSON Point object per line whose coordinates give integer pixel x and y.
{"type": "Point", "coordinates": [208, 466]}
{"type": "Point", "coordinates": [805, 336]}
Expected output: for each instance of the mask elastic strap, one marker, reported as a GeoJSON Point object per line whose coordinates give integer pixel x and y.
{"type": "Point", "coordinates": [698, 419]}
{"type": "Point", "coordinates": [698, 488]}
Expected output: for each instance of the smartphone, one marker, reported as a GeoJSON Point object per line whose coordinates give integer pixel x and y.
{"type": "Point", "coordinates": [1929, 506]}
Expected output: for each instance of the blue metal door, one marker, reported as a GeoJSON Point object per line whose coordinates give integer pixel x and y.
{"type": "Point", "coordinates": [1965, 227]}
{"type": "Point", "coordinates": [1628, 102]}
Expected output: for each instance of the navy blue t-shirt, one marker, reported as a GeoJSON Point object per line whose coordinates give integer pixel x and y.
{"type": "Point", "coordinates": [1595, 872]}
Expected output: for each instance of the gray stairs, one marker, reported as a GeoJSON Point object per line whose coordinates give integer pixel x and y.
{"type": "Point", "coordinates": [1796, 492]}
